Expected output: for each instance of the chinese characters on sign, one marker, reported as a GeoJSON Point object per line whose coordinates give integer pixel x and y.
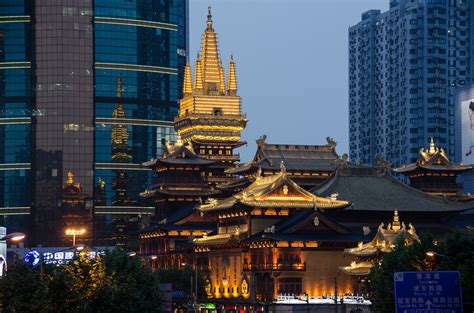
{"type": "Point", "coordinates": [428, 292]}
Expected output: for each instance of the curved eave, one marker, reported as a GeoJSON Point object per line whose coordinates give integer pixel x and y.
{"type": "Point", "coordinates": [241, 168]}
{"type": "Point", "coordinates": [432, 167]}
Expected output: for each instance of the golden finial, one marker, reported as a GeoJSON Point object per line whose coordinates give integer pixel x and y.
{"type": "Point", "coordinates": [222, 79]}
{"type": "Point", "coordinates": [187, 85]}
{"type": "Point", "coordinates": [232, 79]}
{"type": "Point", "coordinates": [209, 19]}
{"type": "Point", "coordinates": [198, 75]}
{"type": "Point", "coordinates": [432, 146]}
{"type": "Point", "coordinates": [396, 221]}
{"type": "Point", "coordinates": [70, 178]}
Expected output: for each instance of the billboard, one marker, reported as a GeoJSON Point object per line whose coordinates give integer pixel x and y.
{"type": "Point", "coordinates": [467, 131]}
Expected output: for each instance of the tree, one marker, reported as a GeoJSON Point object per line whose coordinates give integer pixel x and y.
{"type": "Point", "coordinates": [115, 282]}
{"type": "Point", "coordinates": [129, 286]}
{"type": "Point", "coordinates": [22, 290]}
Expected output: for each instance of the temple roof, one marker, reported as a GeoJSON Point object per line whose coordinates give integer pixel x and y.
{"type": "Point", "coordinates": [370, 190]}
{"type": "Point", "coordinates": [385, 239]}
{"type": "Point", "coordinates": [179, 154]}
{"type": "Point", "coordinates": [433, 159]}
{"type": "Point", "coordinates": [296, 157]}
{"type": "Point", "coordinates": [274, 191]}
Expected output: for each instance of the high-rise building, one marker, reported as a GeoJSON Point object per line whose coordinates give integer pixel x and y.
{"type": "Point", "coordinates": [91, 88]}
{"type": "Point", "coordinates": [404, 65]}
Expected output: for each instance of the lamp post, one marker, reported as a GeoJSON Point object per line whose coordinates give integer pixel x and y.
{"type": "Point", "coordinates": [15, 237]}
{"type": "Point", "coordinates": [75, 232]}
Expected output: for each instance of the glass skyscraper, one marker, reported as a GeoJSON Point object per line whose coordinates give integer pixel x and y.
{"type": "Point", "coordinates": [404, 65]}
{"type": "Point", "coordinates": [88, 91]}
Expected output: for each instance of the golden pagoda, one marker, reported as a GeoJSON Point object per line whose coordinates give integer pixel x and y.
{"type": "Point", "coordinates": [210, 118]}
{"type": "Point", "coordinates": [121, 151]}
{"type": "Point", "coordinates": [383, 242]}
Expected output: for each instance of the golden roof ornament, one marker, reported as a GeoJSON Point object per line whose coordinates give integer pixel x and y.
{"type": "Point", "coordinates": [209, 20]}
{"type": "Point", "coordinates": [188, 82]}
{"type": "Point", "coordinates": [432, 146]}
{"type": "Point", "coordinates": [70, 178]}
{"type": "Point", "coordinates": [232, 78]}
{"type": "Point", "coordinates": [198, 87]}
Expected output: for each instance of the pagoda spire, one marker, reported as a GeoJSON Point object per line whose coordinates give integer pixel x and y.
{"type": "Point", "coordinates": [232, 79]}
{"type": "Point", "coordinates": [198, 76]}
{"type": "Point", "coordinates": [209, 20]}
{"type": "Point", "coordinates": [188, 84]}
{"type": "Point", "coordinates": [210, 59]}
{"type": "Point", "coordinates": [222, 79]}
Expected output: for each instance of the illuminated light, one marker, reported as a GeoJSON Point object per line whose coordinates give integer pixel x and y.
{"type": "Point", "coordinates": [72, 231]}
{"type": "Point", "coordinates": [135, 67]}
{"type": "Point", "coordinates": [32, 258]}
{"type": "Point", "coordinates": [135, 22]}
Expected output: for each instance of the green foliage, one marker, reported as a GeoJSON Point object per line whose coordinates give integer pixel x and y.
{"type": "Point", "coordinates": [112, 283]}
{"type": "Point", "coordinates": [129, 286]}
{"type": "Point", "coordinates": [458, 255]}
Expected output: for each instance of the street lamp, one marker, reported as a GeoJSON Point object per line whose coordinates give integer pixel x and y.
{"type": "Point", "coordinates": [13, 237]}
{"type": "Point", "coordinates": [433, 254]}
{"type": "Point", "coordinates": [132, 253]}
{"type": "Point", "coordinates": [75, 232]}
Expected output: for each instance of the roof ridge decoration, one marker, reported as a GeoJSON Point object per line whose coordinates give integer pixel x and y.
{"type": "Point", "coordinates": [331, 143]}
{"type": "Point", "coordinates": [381, 165]}
{"type": "Point", "coordinates": [341, 165]}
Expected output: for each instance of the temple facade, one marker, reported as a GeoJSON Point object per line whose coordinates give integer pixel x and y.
{"type": "Point", "coordinates": [435, 174]}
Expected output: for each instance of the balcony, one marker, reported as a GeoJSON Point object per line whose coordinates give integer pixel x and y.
{"type": "Point", "coordinates": [275, 267]}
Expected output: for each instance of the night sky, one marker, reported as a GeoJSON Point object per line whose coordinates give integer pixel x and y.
{"type": "Point", "coordinates": [292, 64]}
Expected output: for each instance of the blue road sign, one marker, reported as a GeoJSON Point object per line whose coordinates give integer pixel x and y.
{"type": "Point", "coordinates": [428, 292]}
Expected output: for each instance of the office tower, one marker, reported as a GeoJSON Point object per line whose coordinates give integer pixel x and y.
{"type": "Point", "coordinates": [88, 88]}
{"type": "Point", "coordinates": [404, 65]}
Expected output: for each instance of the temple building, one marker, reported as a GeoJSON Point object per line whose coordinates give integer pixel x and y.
{"type": "Point", "coordinates": [307, 165]}
{"type": "Point", "coordinates": [181, 179]}
{"type": "Point", "coordinates": [210, 117]}
{"type": "Point", "coordinates": [76, 211]}
{"type": "Point", "coordinates": [273, 237]}
{"type": "Point", "coordinates": [384, 241]}
{"type": "Point", "coordinates": [435, 174]}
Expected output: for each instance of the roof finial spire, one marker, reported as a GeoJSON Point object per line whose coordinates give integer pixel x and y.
{"type": "Point", "coordinates": [432, 146]}
{"type": "Point", "coordinates": [209, 19]}
{"type": "Point", "coordinates": [232, 78]}
{"type": "Point", "coordinates": [70, 178]}
{"type": "Point", "coordinates": [187, 84]}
